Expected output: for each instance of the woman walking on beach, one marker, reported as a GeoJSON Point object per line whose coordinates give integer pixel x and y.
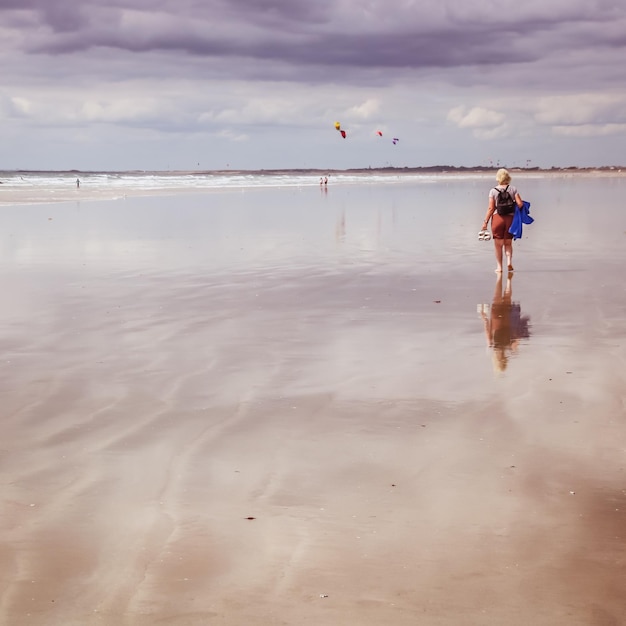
{"type": "Point", "coordinates": [502, 200]}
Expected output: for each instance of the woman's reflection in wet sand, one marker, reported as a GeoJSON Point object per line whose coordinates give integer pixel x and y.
{"type": "Point", "coordinates": [504, 324]}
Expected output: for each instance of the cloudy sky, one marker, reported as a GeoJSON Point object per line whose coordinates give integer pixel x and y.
{"type": "Point", "coordinates": [247, 84]}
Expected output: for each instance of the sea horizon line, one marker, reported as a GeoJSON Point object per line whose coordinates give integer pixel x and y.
{"type": "Point", "coordinates": [316, 170]}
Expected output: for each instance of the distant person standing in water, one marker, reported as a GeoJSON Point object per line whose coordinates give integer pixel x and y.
{"type": "Point", "coordinates": [77, 183]}
{"type": "Point", "coordinates": [502, 200]}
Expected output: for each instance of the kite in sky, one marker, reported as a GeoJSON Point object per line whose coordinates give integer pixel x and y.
{"type": "Point", "coordinates": [341, 132]}
{"type": "Point", "coordinates": [394, 140]}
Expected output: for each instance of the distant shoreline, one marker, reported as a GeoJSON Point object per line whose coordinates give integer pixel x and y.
{"type": "Point", "coordinates": [50, 187]}
{"type": "Point", "coordinates": [430, 169]}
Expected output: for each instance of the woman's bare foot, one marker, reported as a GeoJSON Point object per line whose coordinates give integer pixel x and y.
{"type": "Point", "coordinates": [510, 268]}
{"type": "Point", "coordinates": [498, 270]}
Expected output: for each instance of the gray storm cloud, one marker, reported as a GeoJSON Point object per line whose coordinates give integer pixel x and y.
{"type": "Point", "coordinates": [483, 76]}
{"type": "Point", "coordinates": [346, 34]}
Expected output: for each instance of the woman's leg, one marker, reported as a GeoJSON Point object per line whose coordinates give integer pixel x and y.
{"type": "Point", "coordinates": [498, 246]}
{"type": "Point", "coordinates": [508, 250]}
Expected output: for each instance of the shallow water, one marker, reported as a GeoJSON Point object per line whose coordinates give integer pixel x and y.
{"type": "Point", "coordinates": [173, 365]}
{"type": "Point", "coordinates": [404, 220]}
{"type": "Point", "coordinates": [410, 245]}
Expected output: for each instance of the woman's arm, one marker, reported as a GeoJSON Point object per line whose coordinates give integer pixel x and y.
{"type": "Point", "coordinates": [490, 212]}
{"type": "Point", "coordinates": [518, 200]}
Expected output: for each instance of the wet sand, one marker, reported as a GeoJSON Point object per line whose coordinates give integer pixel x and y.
{"type": "Point", "coordinates": [281, 407]}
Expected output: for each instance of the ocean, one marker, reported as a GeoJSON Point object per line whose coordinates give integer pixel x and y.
{"type": "Point", "coordinates": [47, 185]}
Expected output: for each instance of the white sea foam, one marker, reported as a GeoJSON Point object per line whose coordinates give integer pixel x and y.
{"type": "Point", "coordinates": [135, 181]}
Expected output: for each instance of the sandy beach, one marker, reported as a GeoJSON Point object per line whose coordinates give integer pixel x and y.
{"type": "Point", "coordinates": [284, 406]}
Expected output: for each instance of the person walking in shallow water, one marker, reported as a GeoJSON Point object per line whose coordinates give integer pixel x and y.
{"type": "Point", "coordinates": [501, 220]}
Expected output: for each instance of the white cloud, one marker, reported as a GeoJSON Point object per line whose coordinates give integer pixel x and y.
{"type": "Point", "coordinates": [485, 123]}
{"type": "Point", "coordinates": [476, 117]}
{"type": "Point", "coordinates": [366, 110]}
{"type": "Point", "coordinates": [231, 135]}
{"type": "Point", "coordinates": [118, 110]}
{"type": "Point", "coordinates": [589, 130]}
{"type": "Point", "coordinates": [581, 108]}
{"type": "Point", "coordinates": [21, 106]}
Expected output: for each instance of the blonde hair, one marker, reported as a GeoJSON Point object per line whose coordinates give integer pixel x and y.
{"type": "Point", "coordinates": [503, 177]}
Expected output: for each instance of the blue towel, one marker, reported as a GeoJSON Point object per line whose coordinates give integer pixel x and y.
{"type": "Point", "coordinates": [522, 216]}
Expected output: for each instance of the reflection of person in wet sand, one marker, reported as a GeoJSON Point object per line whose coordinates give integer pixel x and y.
{"type": "Point", "coordinates": [340, 228]}
{"type": "Point", "coordinates": [504, 326]}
